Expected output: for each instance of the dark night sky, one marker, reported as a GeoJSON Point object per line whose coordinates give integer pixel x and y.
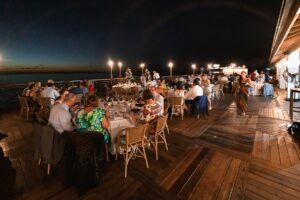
{"type": "Point", "coordinates": [87, 32]}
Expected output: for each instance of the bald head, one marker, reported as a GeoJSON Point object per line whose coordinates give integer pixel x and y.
{"type": "Point", "coordinates": [70, 99]}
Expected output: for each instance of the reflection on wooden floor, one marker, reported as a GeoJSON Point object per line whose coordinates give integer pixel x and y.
{"type": "Point", "coordinates": [224, 156]}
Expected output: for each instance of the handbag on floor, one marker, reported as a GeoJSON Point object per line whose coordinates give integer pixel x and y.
{"type": "Point", "coordinates": [294, 130]}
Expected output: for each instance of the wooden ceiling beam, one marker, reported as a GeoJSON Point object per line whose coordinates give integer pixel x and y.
{"type": "Point", "coordinates": [291, 35]}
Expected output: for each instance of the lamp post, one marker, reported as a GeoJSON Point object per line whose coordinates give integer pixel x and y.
{"type": "Point", "coordinates": [120, 69]}
{"type": "Point", "coordinates": [193, 67]}
{"type": "Point", "coordinates": [170, 66]}
{"type": "Point", "coordinates": [111, 64]}
{"type": "Point", "coordinates": [142, 65]}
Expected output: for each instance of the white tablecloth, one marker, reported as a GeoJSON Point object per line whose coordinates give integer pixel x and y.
{"type": "Point", "coordinates": [115, 126]}
{"type": "Point", "coordinates": [257, 88]}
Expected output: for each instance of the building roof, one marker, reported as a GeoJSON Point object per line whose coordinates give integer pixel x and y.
{"type": "Point", "coordinates": [287, 34]}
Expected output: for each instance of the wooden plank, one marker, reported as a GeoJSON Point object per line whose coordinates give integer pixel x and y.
{"type": "Point", "coordinates": [257, 147]}
{"type": "Point", "coordinates": [292, 151]}
{"type": "Point", "coordinates": [182, 166]}
{"type": "Point", "coordinates": [274, 151]}
{"type": "Point", "coordinates": [225, 191]}
{"type": "Point", "coordinates": [284, 156]}
{"type": "Point", "coordinates": [238, 190]}
{"type": "Point", "coordinates": [190, 184]}
{"type": "Point", "coordinates": [270, 189]}
{"type": "Point", "coordinates": [207, 187]}
{"type": "Point", "coordinates": [185, 176]}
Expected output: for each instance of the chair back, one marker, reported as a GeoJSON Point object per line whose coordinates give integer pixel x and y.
{"type": "Point", "coordinates": [176, 101]}
{"type": "Point", "coordinates": [133, 90]}
{"type": "Point", "coordinates": [216, 88]}
{"type": "Point", "coordinates": [200, 105]}
{"type": "Point", "coordinates": [118, 91]}
{"type": "Point", "coordinates": [136, 134]}
{"type": "Point", "coordinates": [78, 98]}
{"type": "Point", "coordinates": [23, 102]}
{"type": "Point", "coordinates": [166, 107]}
{"type": "Point", "coordinates": [42, 116]}
{"type": "Point", "coordinates": [161, 123]}
{"type": "Point", "coordinates": [45, 102]}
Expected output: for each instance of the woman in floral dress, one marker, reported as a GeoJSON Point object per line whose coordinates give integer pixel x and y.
{"type": "Point", "coordinates": [242, 93]}
{"type": "Point", "coordinates": [92, 118]}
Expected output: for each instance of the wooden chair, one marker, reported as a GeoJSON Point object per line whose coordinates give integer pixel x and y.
{"type": "Point", "coordinates": [177, 103]}
{"type": "Point", "coordinates": [25, 107]}
{"type": "Point", "coordinates": [79, 98]}
{"type": "Point", "coordinates": [159, 135]}
{"type": "Point", "coordinates": [222, 89]}
{"type": "Point", "coordinates": [166, 109]}
{"type": "Point", "coordinates": [133, 93]}
{"type": "Point", "coordinates": [215, 92]}
{"type": "Point", "coordinates": [132, 144]}
{"type": "Point", "coordinates": [45, 103]}
{"type": "Point", "coordinates": [118, 92]}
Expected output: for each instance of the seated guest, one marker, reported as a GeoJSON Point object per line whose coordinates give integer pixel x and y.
{"type": "Point", "coordinates": [50, 91]}
{"type": "Point", "coordinates": [157, 97]}
{"type": "Point", "coordinates": [161, 86]}
{"type": "Point", "coordinates": [76, 89]}
{"type": "Point", "coordinates": [84, 87]}
{"type": "Point", "coordinates": [31, 97]}
{"type": "Point", "coordinates": [92, 118]}
{"type": "Point", "coordinates": [205, 85]}
{"type": "Point", "coordinates": [91, 87]}
{"type": "Point", "coordinates": [179, 92]}
{"type": "Point", "coordinates": [195, 91]}
{"type": "Point", "coordinates": [152, 108]}
{"type": "Point", "coordinates": [60, 116]}
{"type": "Point", "coordinates": [61, 98]}
{"type": "Point", "coordinates": [31, 92]}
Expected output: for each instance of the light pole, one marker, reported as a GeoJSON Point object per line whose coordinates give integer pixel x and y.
{"type": "Point", "coordinates": [170, 66]}
{"type": "Point", "coordinates": [193, 67]}
{"type": "Point", "coordinates": [142, 65]}
{"type": "Point", "coordinates": [120, 69]}
{"type": "Point", "coordinates": [111, 64]}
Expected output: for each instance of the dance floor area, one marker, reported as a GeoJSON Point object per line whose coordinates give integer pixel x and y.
{"type": "Point", "coordinates": [223, 156]}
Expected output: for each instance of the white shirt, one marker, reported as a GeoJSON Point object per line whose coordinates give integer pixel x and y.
{"type": "Point", "coordinates": [156, 76]}
{"type": "Point", "coordinates": [160, 100]}
{"type": "Point", "coordinates": [50, 92]}
{"type": "Point", "coordinates": [194, 92]}
{"type": "Point", "coordinates": [60, 118]}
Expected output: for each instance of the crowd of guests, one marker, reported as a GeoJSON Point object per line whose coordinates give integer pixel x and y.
{"type": "Point", "coordinates": [56, 94]}
{"type": "Point", "coordinates": [65, 115]}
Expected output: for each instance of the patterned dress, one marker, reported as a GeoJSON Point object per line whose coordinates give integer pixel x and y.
{"type": "Point", "coordinates": [92, 121]}
{"type": "Point", "coordinates": [242, 97]}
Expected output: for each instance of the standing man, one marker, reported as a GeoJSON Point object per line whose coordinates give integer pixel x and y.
{"type": "Point", "coordinates": [156, 75]}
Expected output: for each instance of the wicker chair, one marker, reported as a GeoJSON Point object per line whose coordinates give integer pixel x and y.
{"type": "Point", "coordinates": [133, 145]}
{"type": "Point", "coordinates": [222, 89]}
{"type": "Point", "coordinates": [215, 92]}
{"type": "Point", "coordinates": [79, 98]}
{"type": "Point", "coordinates": [166, 109]}
{"type": "Point", "coordinates": [45, 103]}
{"type": "Point", "coordinates": [159, 134]}
{"type": "Point", "coordinates": [118, 92]}
{"type": "Point", "coordinates": [177, 103]}
{"type": "Point", "coordinates": [25, 107]}
{"type": "Point", "coordinates": [133, 93]}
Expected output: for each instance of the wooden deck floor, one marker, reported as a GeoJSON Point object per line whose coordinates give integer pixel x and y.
{"type": "Point", "coordinates": [224, 156]}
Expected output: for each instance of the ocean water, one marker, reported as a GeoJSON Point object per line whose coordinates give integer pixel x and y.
{"type": "Point", "coordinates": [43, 77]}
{"type": "Point", "coordinates": [13, 84]}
